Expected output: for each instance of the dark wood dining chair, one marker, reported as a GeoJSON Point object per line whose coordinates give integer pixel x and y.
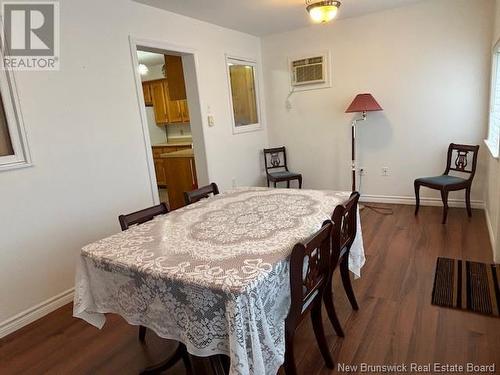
{"type": "Point", "coordinates": [277, 168]}
{"type": "Point", "coordinates": [198, 194]}
{"type": "Point", "coordinates": [309, 273]}
{"type": "Point", "coordinates": [140, 217]}
{"type": "Point", "coordinates": [446, 183]}
{"type": "Point", "coordinates": [345, 225]}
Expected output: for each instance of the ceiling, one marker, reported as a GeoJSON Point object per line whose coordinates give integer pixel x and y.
{"type": "Point", "coordinates": [264, 17]}
{"type": "Point", "coordinates": [149, 58]}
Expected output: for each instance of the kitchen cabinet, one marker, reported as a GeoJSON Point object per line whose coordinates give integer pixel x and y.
{"type": "Point", "coordinates": [166, 111]}
{"type": "Point", "coordinates": [159, 101]}
{"type": "Point", "coordinates": [175, 74]}
{"type": "Point", "coordinates": [184, 110]}
{"type": "Point", "coordinates": [174, 111]}
{"type": "Point", "coordinates": [181, 174]}
{"type": "Point", "coordinates": [146, 89]}
{"type": "Point", "coordinates": [160, 163]}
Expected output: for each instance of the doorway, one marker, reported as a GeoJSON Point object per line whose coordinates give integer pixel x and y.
{"type": "Point", "coordinates": [168, 96]}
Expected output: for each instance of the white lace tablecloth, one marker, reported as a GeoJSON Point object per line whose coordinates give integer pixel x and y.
{"type": "Point", "coordinates": [213, 275]}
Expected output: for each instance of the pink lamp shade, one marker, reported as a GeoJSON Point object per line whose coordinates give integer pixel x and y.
{"type": "Point", "coordinates": [364, 103]}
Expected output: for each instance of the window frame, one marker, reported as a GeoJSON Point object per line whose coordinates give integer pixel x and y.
{"type": "Point", "coordinates": [244, 61]}
{"type": "Point", "coordinates": [495, 81]}
{"type": "Point", "coordinates": [15, 124]}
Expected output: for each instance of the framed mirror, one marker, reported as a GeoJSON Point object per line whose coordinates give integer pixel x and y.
{"type": "Point", "coordinates": [244, 92]}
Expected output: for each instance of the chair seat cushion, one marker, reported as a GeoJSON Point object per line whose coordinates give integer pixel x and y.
{"type": "Point", "coordinates": [443, 180]}
{"type": "Point", "coordinates": [284, 175]}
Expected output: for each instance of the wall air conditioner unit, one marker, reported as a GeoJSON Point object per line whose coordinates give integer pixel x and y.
{"type": "Point", "coordinates": [310, 72]}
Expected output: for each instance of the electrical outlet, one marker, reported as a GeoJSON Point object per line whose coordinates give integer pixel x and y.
{"type": "Point", "coordinates": [385, 171]}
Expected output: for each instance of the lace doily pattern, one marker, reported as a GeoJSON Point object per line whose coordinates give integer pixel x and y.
{"type": "Point", "coordinates": [213, 275]}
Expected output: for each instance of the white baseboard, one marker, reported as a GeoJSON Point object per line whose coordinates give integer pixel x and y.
{"type": "Point", "coordinates": [390, 199]}
{"type": "Point", "coordinates": [492, 235]}
{"type": "Point", "coordinates": [36, 312]}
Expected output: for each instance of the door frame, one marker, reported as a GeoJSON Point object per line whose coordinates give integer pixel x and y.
{"type": "Point", "coordinates": [197, 115]}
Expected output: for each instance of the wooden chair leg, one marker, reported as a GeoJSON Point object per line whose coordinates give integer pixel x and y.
{"type": "Point", "coordinates": [288, 184]}
{"type": "Point", "coordinates": [467, 201]}
{"type": "Point", "coordinates": [444, 197]}
{"type": "Point", "coordinates": [268, 184]}
{"type": "Point", "coordinates": [417, 198]}
{"type": "Point", "coordinates": [187, 363]}
{"type": "Point", "coordinates": [142, 333]}
{"type": "Point", "coordinates": [289, 364]}
{"type": "Point", "coordinates": [330, 309]}
{"type": "Point", "coordinates": [319, 332]}
{"type": "Point", "coordinates": [274, 183]}
{"type": "Point", "coordinates": [300, 182]}
{"type": "Point", "coordinates": [346, 281]}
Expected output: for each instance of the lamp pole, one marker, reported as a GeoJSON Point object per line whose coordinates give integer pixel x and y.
{"type": "Point", "coordinates": [353, 166]}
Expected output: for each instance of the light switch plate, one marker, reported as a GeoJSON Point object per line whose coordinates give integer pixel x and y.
{"type": "Point", "coordinates": [211, 120]}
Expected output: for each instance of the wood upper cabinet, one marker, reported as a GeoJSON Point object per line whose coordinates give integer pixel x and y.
{"type": "Point", "coordinates": [175, 76]}
{"type": "Point", "coordinates": [184, 110]}
{"type": "Point", "coordinates": [159, 101]}
{"type": "Point", "coordinates": [146, 89]}
{"type": "Point", "coordinates": [167, 111]}
{"type": "Point", "coordinates": [173, 106]}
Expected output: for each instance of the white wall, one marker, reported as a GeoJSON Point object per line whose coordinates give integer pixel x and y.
{"type": "Point", "coordinates": [492, 194]}
{"type": "Point", "coordinates": [179, 131]}
{"type": "Point", "coordinates": [427, 64]}
{"type": "Point", "coordinates": [86, 139]}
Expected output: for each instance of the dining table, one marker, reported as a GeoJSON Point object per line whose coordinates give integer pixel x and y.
{"type": "Point", "coordinates": [213, 275]}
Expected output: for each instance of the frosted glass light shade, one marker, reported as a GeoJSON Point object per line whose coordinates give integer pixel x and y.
{"type": "Point", "coordinates": [323, 11]}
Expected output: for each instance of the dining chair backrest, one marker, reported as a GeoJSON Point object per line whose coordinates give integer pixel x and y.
{"type": "Point", "coordinates": [203, 192]}
{"type": "Point", "coordinates": [275, 158]}
{"type": "Point", "coordinates": [345, 225]}
{"type": "Point", "coordinates": [461, 162]}
{"type": "Point", "coordinates": [142, 216]}
{"type": "Point", "coordinates": [309, 271]}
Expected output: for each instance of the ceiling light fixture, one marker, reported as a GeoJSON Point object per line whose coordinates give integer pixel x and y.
{"type": "Point", "coordinates": [323, 11]}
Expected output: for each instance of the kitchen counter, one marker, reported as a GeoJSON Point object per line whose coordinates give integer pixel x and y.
{"type": "Point", "coordinates": [174, 144]}
{"type": "Point", "coordinates": [188, 153]}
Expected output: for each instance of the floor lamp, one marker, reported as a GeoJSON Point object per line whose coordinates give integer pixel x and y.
{"type": "Point", "coordinates": [362, 103]}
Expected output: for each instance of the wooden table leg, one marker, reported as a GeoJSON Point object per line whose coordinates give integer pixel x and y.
{"type": "Point", "coordinates": [218, 366]}
{"type": "Point", "coordinates": [180, 353]}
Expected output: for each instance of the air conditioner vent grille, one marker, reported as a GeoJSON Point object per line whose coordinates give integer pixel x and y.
{"type": "Point", "coordinates": [308, 71]}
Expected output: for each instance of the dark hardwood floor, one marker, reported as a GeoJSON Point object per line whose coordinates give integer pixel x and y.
{"type": "Point", "coordinates": [395, 324]}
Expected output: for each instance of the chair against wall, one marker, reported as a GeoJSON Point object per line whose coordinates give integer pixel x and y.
{"type": "Point", "coordinates": [446, 183]}
{"type": "Point", "coordinates": [140, 217]}
{"type": "Point", "coordinates": [203, 192]}
{"type": "Point", "coordinates": [277, 168]}
{"type": "Point", "coordinates": [309, 271]}
{"type": "Point", "coordinates": [345, 224]}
